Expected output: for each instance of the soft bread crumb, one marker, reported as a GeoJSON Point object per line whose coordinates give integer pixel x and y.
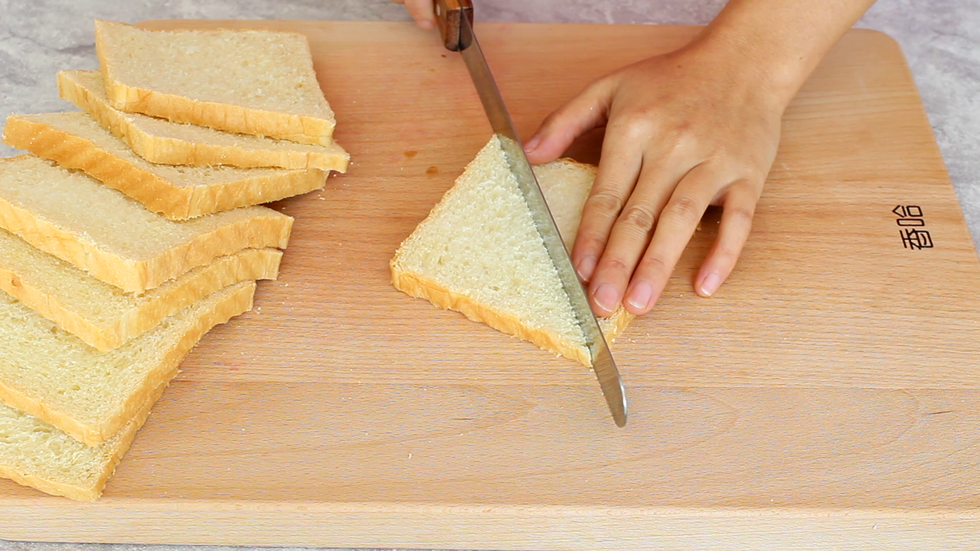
{"type": "Point", "coordinates": [478, 252]}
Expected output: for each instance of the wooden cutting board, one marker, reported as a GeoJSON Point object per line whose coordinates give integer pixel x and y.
{"type": "Point", "coordinates": [827, 397]}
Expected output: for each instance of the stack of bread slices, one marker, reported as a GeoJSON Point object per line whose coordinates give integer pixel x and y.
{"type": "Point", "coordinates": [132, 227]}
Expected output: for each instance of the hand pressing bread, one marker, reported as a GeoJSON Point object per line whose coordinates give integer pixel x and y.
{"type": "Point", "coordinates": [685, 130]}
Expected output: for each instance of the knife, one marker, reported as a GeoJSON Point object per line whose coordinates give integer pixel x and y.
{"type": "Point", "coordinates": [455, 19]}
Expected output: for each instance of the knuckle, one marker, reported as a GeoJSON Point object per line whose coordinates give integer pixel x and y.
{"type": "Point", "coordinates": [616, 265]}
{"type": "Point", "coordinates": [683, 140]}
{"type": "Point", "coordinates": [683, 132]}
{"type": "Point", "coordinates": [638, 127]}
{"type": "Point", "coordinates": [555, 116]}
{"type": "Point", "coordinates": [654, 264]}
{"type": "Point", "coordinates": [753, 175]}
{"type": "Point", "coordinates": [685, 209]}
{"type": "Point", "coordinates": [605, 204]}
{"type": "Point", "coordinates": [750, 170]}
{"type": "Point", "coordinates": [638, 217]}
{"type": "Point", "coordinates": [596, 87]}
{"type": "Point", "coordinates": [591, 241]}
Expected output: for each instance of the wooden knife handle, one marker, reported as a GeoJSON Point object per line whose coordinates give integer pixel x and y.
{"type": "Point", "coordinates": [448, 14]}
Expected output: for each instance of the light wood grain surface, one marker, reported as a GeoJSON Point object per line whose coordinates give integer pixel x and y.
{"type": "Point", "coordinates": [827, 397]}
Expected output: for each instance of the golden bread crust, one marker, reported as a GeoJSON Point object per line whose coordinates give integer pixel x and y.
{"type": "Point", "coordinates": [150, 389]}
{"type": "Point", "coordinates": [421, 287]}
{"type": "Point", "coordinates": [174, 151]}
{"type": "Point", "coordinates": [154, 192]}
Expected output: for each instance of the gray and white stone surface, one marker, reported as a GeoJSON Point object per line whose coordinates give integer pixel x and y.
{"type": "Point", "coordinates": [940, 38]}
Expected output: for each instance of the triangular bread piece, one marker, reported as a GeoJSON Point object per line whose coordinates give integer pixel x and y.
{"type": "Point", "coordinates": [76, 141]}
{"type": "Point", "coordinates": [161, 141]}
{"type": "Point", "coordinates": [90, 395]}
{"type": "Point", "coordinates": [102, 315]}
{"type": "Point", "coordinates": [255, 82]}
{"type": "Point", "coordinates": [111, 236]}
{"type": "Point", "coordinates": [37, 454]}
{"type": "Point", "coordinates": [479, 253]}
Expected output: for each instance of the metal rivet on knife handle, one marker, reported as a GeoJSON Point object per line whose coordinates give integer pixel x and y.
{"type": "Point", "coordinates": [448, 14]}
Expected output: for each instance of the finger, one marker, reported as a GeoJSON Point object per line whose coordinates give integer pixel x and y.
{"type": "Point", "coordinates": [582, 113]}
{"type": "Point", "coordinates": [422, 12]}
{"type": "Point", "coordinates": [616, 184]}
{"type": "Point", "coordinates": [630, 234]}
{"type": "Point", "coordinates": [633, 228]}
{"type": "Point", "coordinates": [736, 224]}
{"type": "Point", "coordinates": [619, 165]}
{"type": "Point", "coordinates": [678, 220]}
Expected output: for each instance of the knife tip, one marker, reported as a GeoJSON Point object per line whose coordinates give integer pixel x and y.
{"type": "Point", "coordinates": [620, 419]}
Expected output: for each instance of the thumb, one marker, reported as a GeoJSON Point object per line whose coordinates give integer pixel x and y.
{"type": "Point", "coordinates": [582, 113]}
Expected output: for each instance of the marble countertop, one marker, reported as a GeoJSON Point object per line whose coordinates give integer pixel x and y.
{"type": "Point", "coordinates": [941, 40]}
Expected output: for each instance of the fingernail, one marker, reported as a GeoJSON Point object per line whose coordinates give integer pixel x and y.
{"type": "Point", "coordinates": [585, 267]}
{"type": "Point", "coordinates": [532, 144]}
{"type": "Point", "coordinates": [710, 284]}
{"type": "Point", "coordinates": [606, 297]}
{"type": "Point", "coordinates": [640, 296]}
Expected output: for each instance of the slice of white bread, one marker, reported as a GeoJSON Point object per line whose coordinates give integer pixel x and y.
{"type": "Point", "coordinates": [74, 140]}
{"type": "Point", "coordinates": [91, 395]}
{"type": "Point", "coordinates": [479, 253]}
{"type": "Point", "coordinates": [254, 82]}
{"type": "Point", "coordinates": [111, 236]}
{"type": "Point", "coordinates": [102, 315]}
{"type": "Point", "coordinates": [37, 454]}
{"type": "Point", "coordinates": [161, 141]}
